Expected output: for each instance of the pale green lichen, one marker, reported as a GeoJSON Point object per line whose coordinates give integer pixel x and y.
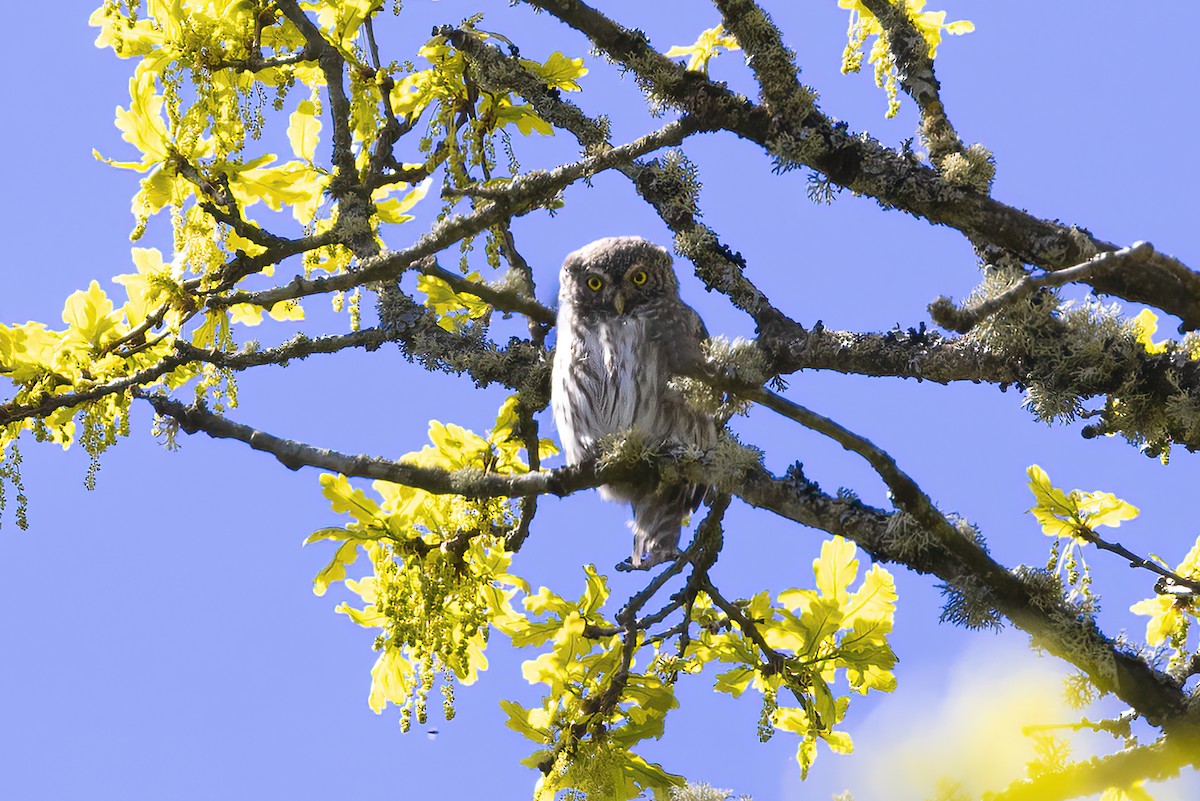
{"type": "Point", "coordinates": [1076, 350]}
{"type": "Point", "coordinates": [973, 169]}
{"type": "Point", "coordinates": [740, 360]}
{"type": "Point", "coordinates": [626, 450]}
{"type": "Point", "coordinates": [730, 461]}
{"type": "Point", "coordinates": [968, 604]}
{"type": "Point", "coordinates": [1045, 588]}
{"type": "Point", "coordinates": [906, 538]}
{"type": "Point", "coordinates": [703, 792]}
{"type": "Point", "coordinates": [700, 395]}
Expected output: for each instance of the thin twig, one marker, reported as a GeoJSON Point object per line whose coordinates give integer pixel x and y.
{"type": "Point", "coordinates": [945, 314]}
{"type": "Point", "coordinates": [775, 659]}
{"type": "Point", "coordinates": [503, 299]}
{"type": "Point", "coordinates": [1169, 577]}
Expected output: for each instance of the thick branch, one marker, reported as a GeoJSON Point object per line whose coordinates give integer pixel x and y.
{"type": "Point", "coordinates": [1054, 626]}
{"type": "Point", "coordinates": [773, 64]}
{"type": "Point", "coordinates": [912, 353]}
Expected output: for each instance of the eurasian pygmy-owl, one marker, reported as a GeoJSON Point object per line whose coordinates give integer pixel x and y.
{"type": "Point", "coordinates": [623, 334]}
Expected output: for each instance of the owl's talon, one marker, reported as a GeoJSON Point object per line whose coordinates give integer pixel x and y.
{"type": "Point", "coordinates": [652, 560]}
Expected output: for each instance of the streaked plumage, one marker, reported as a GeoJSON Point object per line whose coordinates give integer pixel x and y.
{"type": "Point", "coordinates": [623, 333]}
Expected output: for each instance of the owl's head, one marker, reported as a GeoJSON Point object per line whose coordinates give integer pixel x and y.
{"type": "Point", "coordinates": [616, 275]}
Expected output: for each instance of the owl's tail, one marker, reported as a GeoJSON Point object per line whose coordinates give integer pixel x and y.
{"type": "Point", "coordinates": [657, 520]}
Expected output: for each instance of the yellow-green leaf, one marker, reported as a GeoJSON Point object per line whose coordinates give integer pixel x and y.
{"type": "Point", "coordinates": [838, 741]}
{"type": "Point", "coordinates": [559, 72]}
{"type": "Point", "coordinates": [394, 210]}
{"type": "Point", "coordinates": [287, 310]}
{"type": "Point", "coordinates": [836, 568]}
{"type": "Point", "coordinates": [533, 723]}
{"type": "Point", "coordinates": [304, 129]}
{"type": "Point", "coordinates": [89, 315]}
{"type": "Point", "coordinates": [346, 499]}
{"type": "Point", "coordinates": [734, 681]}
{"type": "Point", "coordinates": [345, 555]}
{"type": "Point", "coordinates": [522, 116]}
{"type": "Point", "coordinates": [707, 46]}
{"type": "Point", "coordinates": [142, 125]}
{"type": "Point", "coordinates": [391, 680]}
{"type": "Point", "coordinates": [873, 602]}
{"type": "Point", "coordinates": [1046, 494]}
{"type": "Point", "coordinates": [1105, 509]}
{"type": "Point", "coordinates": [806, 754]}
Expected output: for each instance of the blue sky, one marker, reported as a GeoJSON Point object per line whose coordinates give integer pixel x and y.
{"type": "Point", "coordinates": [161, 637]}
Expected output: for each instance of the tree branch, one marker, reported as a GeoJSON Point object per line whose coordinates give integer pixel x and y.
{"type": "Point", "coordinates": [912, 353]}
{"type": "Point", "coordinates": [950, 555]}
{"type": "Point", "coordinates": [914, 67]}
{"type": "Point", "coordinates": [1169, 578]}
{"type": "Point", "coordinates": [945, 314]}
{"type": "Point", "coordinates": [521, 365]}
{"type": "Point", "coordinates": [503, 299]}
{"type": "Point", "coordinates": [864, 166]}
{"type": "Point", "coordinates": [773, 64]}
{"type": "Point", "coordinates": [961, 561]}
{"type": "Point", "coordinates": [298, 348]}
{"type": "Point", "coordinates": [667, 188]}
{"type": "Point", "coordinates": [775, 659]}
{"type": "Point", "coordinates": [468, 483]}
{"type": "Point", "coordinates": [333, 67]}
{"type": "Point", "coordinates": [523, 194]}
{"type": "Point", "coordinates": [1157, 762]}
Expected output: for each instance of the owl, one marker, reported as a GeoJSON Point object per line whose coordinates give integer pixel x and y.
{"type": "Point", "coordinates": [623, 334]}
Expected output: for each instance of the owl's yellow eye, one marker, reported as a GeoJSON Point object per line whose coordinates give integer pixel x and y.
{"type": "Point", "coordinates": [595, 283]}
{"type": "Point", "coordinates": [639, 277]}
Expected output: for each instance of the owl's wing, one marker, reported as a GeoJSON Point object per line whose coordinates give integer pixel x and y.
{"type": "Point", "coordinates": [683, 334]}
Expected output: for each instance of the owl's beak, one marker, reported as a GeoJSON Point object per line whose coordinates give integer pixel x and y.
{"type": "Point", "coordinates": [619, 302]}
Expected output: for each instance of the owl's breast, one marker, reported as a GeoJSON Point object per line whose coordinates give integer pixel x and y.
{"type": "Point", "coordinates": [607, 378]}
